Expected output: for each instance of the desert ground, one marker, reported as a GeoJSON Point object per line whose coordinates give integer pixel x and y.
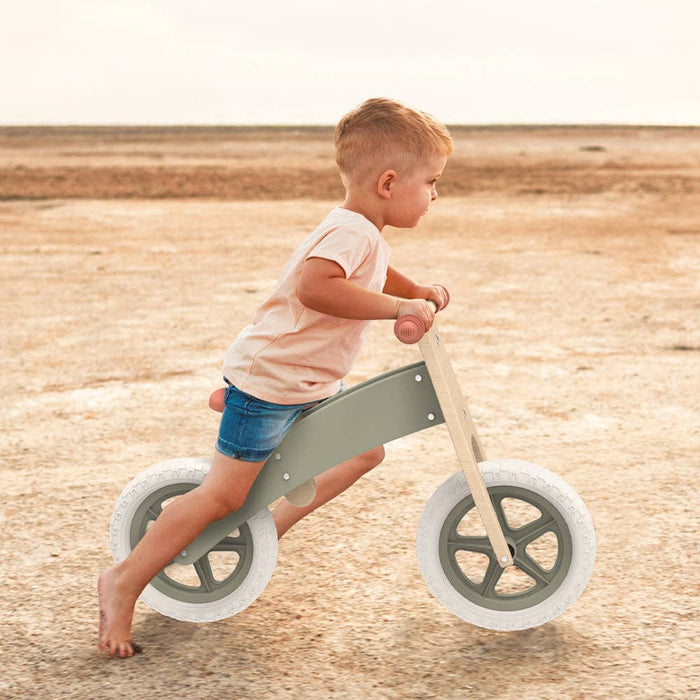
{"type": "Point", "coordinates": [130, 258]}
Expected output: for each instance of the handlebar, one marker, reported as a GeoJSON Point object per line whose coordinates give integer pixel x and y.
{"type": "Point", "coordinates": [409, 328]}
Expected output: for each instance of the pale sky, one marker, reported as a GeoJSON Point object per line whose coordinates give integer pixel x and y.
{"type": "Point", "coordinates": [297, 62]}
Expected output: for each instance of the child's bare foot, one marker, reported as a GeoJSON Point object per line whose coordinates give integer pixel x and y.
{"type": "Point", "coordinates": [116, 612]}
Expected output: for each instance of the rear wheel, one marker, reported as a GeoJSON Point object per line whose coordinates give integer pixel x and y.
{"type": "Point", "coordinates": [221, 583]}
{"type": "Point", "coordinates": [549, 533]}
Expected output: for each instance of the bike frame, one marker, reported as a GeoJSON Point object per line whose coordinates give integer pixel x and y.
{"type": "Point", "coordinates": [373, 413]}
{"type": "Point", "coordinates": [367, 415]}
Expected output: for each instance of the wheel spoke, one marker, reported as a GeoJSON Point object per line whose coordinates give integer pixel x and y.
{"type": "Point", "coordinates": [498, 507]}
{"type": "Point", "coordinates": [231, 544]}
{"type": "Point", "coordinates": [491, 578]}
{"type": "Point", "coordinates": [154, 511]}
{"type": "Point", "coordinates": [206, 577]}
{"type": "Point", "coordinates": [534, 530]}
{"type": "Point", "coordinates": [457, 543]}
{"type": "Point", "coordinates": [530, 567]}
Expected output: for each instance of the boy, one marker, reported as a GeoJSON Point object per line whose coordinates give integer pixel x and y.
{"type": "Point", "coordinates": [303, 340]}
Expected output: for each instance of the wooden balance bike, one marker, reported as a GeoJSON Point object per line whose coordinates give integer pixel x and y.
{"type": "Point", "coordinates": [503, 544]}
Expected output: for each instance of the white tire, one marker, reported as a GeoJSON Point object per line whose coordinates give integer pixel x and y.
{"type": "Point", "coordinates": [460, 567]}
{"type": "Point", "coordinates": [220, 584]}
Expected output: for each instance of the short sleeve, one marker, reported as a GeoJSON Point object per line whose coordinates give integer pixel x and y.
{"type": "Point", "coordinates": [346, 246]}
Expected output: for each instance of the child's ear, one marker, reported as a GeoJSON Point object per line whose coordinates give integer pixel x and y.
{"type": "Point", "coordinates": [385, 183]}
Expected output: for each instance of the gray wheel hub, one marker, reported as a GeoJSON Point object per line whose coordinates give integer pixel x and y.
{"type": "Point", "coordinates": [538, 583]}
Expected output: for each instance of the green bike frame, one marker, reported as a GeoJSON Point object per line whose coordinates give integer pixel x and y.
{"type": "Point", "coordinates": [370, 414]}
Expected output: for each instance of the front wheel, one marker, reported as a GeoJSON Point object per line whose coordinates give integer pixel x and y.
{"type": "Point", "coordinates": [549, 533]}
{"type": "Point", "coordinates": [221, 583]}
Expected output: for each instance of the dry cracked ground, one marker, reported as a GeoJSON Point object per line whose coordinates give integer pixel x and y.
{"type": "Point", "coordinates": [131, 257]}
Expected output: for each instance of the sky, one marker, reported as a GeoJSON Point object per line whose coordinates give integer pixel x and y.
{"type": "Point", "coordinates": [297, 62]}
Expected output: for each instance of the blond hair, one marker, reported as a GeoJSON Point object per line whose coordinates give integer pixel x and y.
{"type": "Point", "coordinates": [382, 133]}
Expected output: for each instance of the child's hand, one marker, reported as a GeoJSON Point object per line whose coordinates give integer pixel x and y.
{"type": "Point", "coordinates": [418, 308]}
{"type": "Point", "coordinates": [436, 293]}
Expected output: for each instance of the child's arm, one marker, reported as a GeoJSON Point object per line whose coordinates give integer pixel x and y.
{"type": "Point", "coordinates": [324, 288]}
{"type": "Point", "coordinates": [399, 285]}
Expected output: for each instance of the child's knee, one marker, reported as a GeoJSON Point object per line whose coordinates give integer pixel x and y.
{"type": "Point", "coordinates": [221, 504]}
{"type": "Point", "coordinates": [218, 503]}
{"type": "Point", "coordinates": [373, 457]}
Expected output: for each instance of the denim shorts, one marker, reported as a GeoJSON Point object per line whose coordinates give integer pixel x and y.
{"type": "Point", "coordinates": [252, 429]}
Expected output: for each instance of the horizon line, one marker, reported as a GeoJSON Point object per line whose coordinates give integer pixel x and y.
{"type": "Point", "coordinates": [300, 126]}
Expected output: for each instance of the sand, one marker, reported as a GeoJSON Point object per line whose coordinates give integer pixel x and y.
{"type": "Point", "coordinates": [130, 258]}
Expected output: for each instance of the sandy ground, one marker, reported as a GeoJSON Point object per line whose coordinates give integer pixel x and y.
{"type": "Point", "coordinates": [573, 260]}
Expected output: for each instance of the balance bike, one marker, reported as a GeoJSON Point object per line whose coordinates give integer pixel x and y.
{"type": "Point", "coordinates": [503, 544]}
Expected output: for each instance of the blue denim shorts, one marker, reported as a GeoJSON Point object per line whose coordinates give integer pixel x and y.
{"type": "Point", "coordinates": [252, 429]}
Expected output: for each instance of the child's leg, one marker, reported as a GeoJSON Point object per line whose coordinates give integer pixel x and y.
{"type": "Point", "coordinates": [328, 485]}
{"type": "Point", "coordinates": [223, 490]}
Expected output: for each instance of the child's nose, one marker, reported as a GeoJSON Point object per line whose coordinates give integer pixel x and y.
{"type": "Point", "coordinates": [433, 194]}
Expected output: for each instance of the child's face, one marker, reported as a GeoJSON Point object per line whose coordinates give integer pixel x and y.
{"type": "Point", "coordinates": [413, 191]}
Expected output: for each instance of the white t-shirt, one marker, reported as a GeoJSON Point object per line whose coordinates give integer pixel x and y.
{"type": "Point", "coordinates": [291, 354]}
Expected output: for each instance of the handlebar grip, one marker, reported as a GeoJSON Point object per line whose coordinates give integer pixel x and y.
{"type": "Point", "coordinates": [409, 329]}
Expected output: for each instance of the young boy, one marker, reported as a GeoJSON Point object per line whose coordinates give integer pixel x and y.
{"type": "Point", "coordinates": [303, 340]}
